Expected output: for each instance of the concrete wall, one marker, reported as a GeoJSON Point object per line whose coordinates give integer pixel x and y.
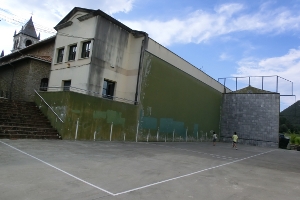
{"type": "Point", "coordinates": [174, 101]}
{"type": "Point", "coordinates": [255, 118]}
{"type": "Point", "coordinates": [116, 56]}
{"type": "Point", "coordinates": [168, 56]}
{"type": "Point", "coordinates": [103, 117]}
{"type": "Point", "coordinates": [76, 70]}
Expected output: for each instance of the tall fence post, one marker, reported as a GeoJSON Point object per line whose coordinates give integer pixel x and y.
{"type": "Point", "coordinates": [76, 128]}
{"type": "Point", "coordinates": [111, 127]}
{"type": "Point", "coordinates": [137, 131]}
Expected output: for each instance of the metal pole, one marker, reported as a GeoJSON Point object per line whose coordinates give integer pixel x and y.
{"type": "Point", "coordinates": [137, 131]}
{"type": "Point", "coordinates": [186, 134]}
{"type": "Point", "coordinates": [111, 127]}
{"type": "Point", "coordinates": [277, 84]}
{"type": "Point", "coordinates": [249, 80]}
{"type": "Point", "coordinates": [173, 134]}
{"type": "Point", "coordinates": [76, 128]}
{"type": "Point", "coordinates": [235, 83]}
{"type": "Point", "coordinates": [262, 82]}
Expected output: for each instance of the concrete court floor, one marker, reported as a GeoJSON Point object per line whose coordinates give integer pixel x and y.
{"type": "Point", "coordinates": [62, 169]}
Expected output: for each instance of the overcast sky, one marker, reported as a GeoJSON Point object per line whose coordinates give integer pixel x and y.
{"type": "Point", "coordinates": [223, 38]}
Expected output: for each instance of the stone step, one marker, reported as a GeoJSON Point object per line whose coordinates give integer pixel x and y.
{"type": "Point", "coordinates": [24, 120]}
{"type": "Point", "coordinates": [38, 125]}
{"type": "Point", "coordinates": [4, 128]}
{"type": "Point", "coordinates": [23, 132]}
{"type": "Point", "coordinates": [17, 136]}
{"type": "Point", "coordinates": [28, 120]}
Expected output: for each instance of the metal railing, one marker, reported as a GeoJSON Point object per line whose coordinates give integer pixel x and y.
{"type": "Point", "coordinates": [87, 92]}
{"type": "Point", "coordinates": [48, 106]}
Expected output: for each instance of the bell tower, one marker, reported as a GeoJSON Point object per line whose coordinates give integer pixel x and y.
{"type": "Point", "coordinates": [26, 36]}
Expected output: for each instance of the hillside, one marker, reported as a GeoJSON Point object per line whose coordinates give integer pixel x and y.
{"type": "Point", "coordinates": [291, 117]}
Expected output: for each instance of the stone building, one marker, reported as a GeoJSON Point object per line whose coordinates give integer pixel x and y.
{"type": "Point", "coordinates": [27, 67]}
{"type": "Point", "coordinates": [119, 82]}
{"type": "Point", "coordinates": [252, 113]}
{"type": "Point", "coordinates": [25, 37]}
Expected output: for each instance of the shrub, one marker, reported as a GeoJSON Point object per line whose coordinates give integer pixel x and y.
{"type": "Point", "coordinates": [297, 140]}
{"type": "Point", "coordinates": [293, 138]}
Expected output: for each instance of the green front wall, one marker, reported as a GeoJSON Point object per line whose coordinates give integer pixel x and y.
{"type": "Point", "coordinates": [94, 114]}
{"type": "Point", "coordinates": [173, 101]}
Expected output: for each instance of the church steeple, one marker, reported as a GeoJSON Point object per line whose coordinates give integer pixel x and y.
{"type": "Point", "coordinates": [26, 36]}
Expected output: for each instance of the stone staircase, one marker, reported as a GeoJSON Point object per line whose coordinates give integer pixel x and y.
{"type": "Point", "coordinates": [24, 120]}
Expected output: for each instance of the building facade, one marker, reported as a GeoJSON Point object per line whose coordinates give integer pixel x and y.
{"type": "Point", "coordinates": [25, 70]}
{"type": "Point", "coordinates": [96, 55]}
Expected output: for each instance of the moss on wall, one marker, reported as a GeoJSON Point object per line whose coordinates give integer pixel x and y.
{"type": "Point", "coordinates": [93, 114]}
{"type": "Point", "coordinates": [173, 100]}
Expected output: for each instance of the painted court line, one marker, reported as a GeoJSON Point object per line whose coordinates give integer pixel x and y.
{"type": "Point", "coordinates": [60, 169]}
{"type": "Point", "coordinates": [138, 188]}
{"type": "Point", "coordinates": [178, 177]}
{"type": "Point", "coordinates": [212, 155]}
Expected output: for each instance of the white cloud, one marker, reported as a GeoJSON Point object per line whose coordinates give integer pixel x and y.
{"type": "Point", "coordinates": [225, 56]}
{"type": "Point", "coordinates": [46, 14]}
{"type": "Point", "coordinates": [201, 26]}
{"type": "Point", "coordinates": [286, 66]}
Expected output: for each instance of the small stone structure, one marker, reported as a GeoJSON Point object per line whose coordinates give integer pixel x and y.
{"type": "Point", "coordinates": [253, 114]}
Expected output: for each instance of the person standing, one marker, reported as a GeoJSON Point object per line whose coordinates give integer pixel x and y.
{"type": "Point", "coordinates": [234, 140]}
{"type": "Point", "coordinates": [214, 138]}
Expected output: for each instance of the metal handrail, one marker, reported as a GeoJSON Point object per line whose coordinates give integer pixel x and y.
{"type": "Point", "coordinates": [75, 89]}
{"type": "Point", "coordinates": [48, 106]}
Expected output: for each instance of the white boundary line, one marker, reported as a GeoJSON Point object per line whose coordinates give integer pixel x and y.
{"type": "Point", "coordinates": [60, 170]}
{"type": "Point", "coordinates": [138, 188]}
{"type": "Point", "coordinates": [212, 155]}
{"type": "Point", "coordinates": [191, 173]}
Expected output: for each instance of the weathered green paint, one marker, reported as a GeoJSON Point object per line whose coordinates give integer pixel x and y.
{"type": "Point", "coordinates": [177, 100]}
{"type": "Point", "coordinates": [94, 114]}
{"type": "Point", "coordinates": [171, 101]}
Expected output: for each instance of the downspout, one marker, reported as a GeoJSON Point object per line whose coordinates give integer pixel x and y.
{"type": "Point", "coordinates": [140, 67]}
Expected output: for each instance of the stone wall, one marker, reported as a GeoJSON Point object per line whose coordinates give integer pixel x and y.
{"type": "Point", "coordinates": [255, 118]}
{"type": "Point", "coordinates": [21, 78]}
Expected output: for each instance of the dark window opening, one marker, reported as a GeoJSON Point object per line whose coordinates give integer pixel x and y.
{"type": "Point", "coordinates": [67, 85]}
{"type": "Point", "coordinates": [108, 89]}
{"type": "Point", "coordinates": [72, 52]}
{"type": "Point", "coordinates": [16, 44]}
{"type": "Point", "coordinates": [28, 42]}
{"type": "Point", "coordinates": [44, 84]}
{"type": "Point", "coordinates": [86, 48]}
{"type": "Point", "coordinates": [60, 55]}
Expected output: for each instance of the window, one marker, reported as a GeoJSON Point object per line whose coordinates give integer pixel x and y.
{"type": "Point", "coordinates": [28, 42]}
{"type": "Point", "coordinates": [60, 55]}
{"type": "Point", "coordinates": [67, 85]}
{"type": "Point", "coordinates": [86, 48]}
{"type": "Point", "coordinates": [72, 52]}
{"type": "Point", "coordinates": [108, 89]}
{"type": "Point", "coordinates": [44, 84]}
{"type": "Point", "coordinates": [16, 44]}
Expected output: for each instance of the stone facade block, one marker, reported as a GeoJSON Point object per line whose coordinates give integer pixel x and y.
{"type": "Point", "coordinates": [255, 118]}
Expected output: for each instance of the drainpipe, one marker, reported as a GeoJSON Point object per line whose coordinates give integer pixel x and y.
{"type": "Point", "coordinates": [143, 47]}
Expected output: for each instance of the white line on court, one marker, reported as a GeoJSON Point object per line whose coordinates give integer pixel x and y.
{"type": "Point", "coordinates": [60, 170]}
{"type": "Point", "coordinates": [171, 179]}
{"type": "Point", "coordinates": [213, 155]}
{"type": "Point", "coordinates": [138, 188]}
